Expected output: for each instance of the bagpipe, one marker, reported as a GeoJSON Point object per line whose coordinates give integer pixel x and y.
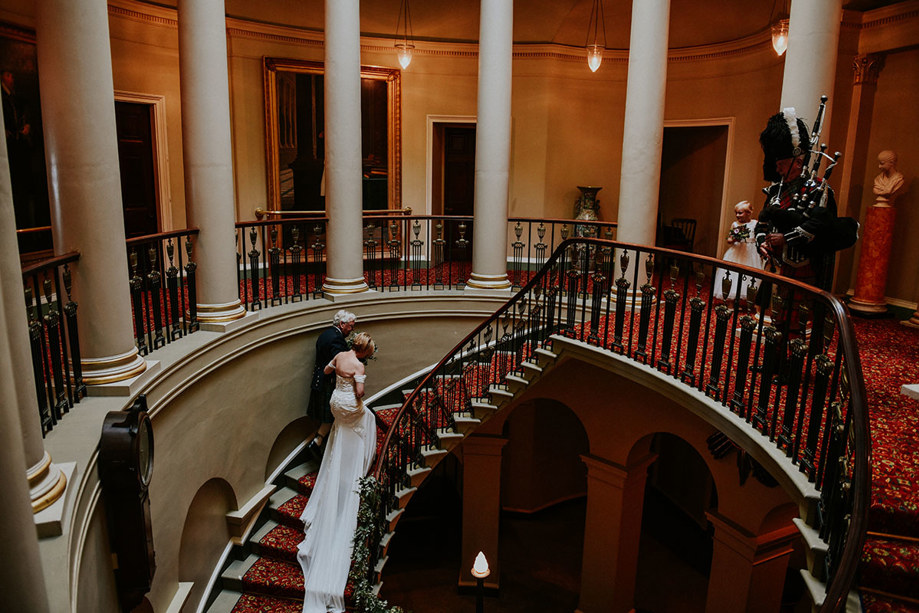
{"type": "Point", "coordinates": [812, 202]}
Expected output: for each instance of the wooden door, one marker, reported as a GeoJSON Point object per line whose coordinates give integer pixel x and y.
{"type": "Point", "coordinates": [134, 123]}
{"type": "Point", "coordinates": [459, 182]}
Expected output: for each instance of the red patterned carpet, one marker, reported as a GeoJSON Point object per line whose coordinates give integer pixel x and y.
{"type": "Point", "coordinates": [890, 358]}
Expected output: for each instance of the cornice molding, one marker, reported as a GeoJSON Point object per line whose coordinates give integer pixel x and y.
{"type": "Point", "coordinates": [160, 16]}
{"type": "Point", "coordinates": [143, 13]}
{"type": "Point", "coordinates": [889, 15]}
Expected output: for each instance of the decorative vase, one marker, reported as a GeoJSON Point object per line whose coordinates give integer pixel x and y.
{"type": "Point", "coordinates": [586, 208]}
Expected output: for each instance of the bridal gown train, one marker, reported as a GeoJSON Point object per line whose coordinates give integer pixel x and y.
{"type": "Point", "coordinates": [330, 516]}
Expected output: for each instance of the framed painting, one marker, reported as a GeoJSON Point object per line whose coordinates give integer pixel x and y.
{"type": "Point", "coordinates": [295, 135]}
{"type": "Point", "coordinates": [24, 141]}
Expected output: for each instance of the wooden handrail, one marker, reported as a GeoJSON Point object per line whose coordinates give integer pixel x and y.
{"type": "Point", "coordinates": [261, 213]}
{"type": "Point", "coordinates": [58, 260]}
{"type": "Point", "coordinates": [160, 236]}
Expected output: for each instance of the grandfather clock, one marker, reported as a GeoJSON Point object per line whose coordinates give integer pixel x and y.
{"type": "Point", "coordinates": [125, 468]}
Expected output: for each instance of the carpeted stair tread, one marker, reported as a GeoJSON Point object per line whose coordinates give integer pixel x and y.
{"type": "Point", "coordinates": [274, 577]}
{"type": "Point", "coordinates": [878, 603]}
{"type": "Point", "coordinates": [259, 603]}
{"type": "Point", "coordinates": [307, 482]}
{"type": "Point", "coordinates": [281, 542]}
{"type": "Point", "coordinates": [286, 506]}
{"type": "Point", "coordinates": [891, 566]}
{"type": "Point", "coordinates": [293, 475]}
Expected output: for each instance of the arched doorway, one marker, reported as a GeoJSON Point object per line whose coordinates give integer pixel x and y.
{"type": "Point", "coordinates": [676, 536]}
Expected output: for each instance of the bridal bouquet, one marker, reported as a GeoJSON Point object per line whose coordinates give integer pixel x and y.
{"type": "Point", "coordinates": [739, 234]}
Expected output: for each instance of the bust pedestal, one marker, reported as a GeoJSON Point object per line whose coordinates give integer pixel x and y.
{"type": "Point", "coordinates": [871, 280]}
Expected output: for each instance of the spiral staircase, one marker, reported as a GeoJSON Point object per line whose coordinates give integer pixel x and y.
{"type": "Point", "coordinates": [668, 328]}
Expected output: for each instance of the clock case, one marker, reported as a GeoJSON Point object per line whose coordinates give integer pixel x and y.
{"type": "Point", "coordinates": [125, 467]}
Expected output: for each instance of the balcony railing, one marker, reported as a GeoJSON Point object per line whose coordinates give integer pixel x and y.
{"type": "Point", "coordinates": [278, 261]}
{"type": "Point", "coordinates": [782, 358]}
{"type": "Point", "coordinates": [53, 337]}
{"type": "Point", "coordinates": [162, 275]}
{"type": "Point", "coordinates": [284, 260]}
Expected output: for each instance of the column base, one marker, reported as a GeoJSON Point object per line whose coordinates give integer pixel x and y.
{"type": "Point", "coordinates": [97, 371]}
{"type": "Point", "coordinates": [867, 308]}
{"type": "Point", "coordinates": [248, 318]}
{"type": "Point", "coordinates": [477, 281]}
{"type": "Point", "coordinates": [220, 313]}
{"type": "Point", "coordinates": [125, 387]}
{"type": "Point", "coordinates": [344, 286]}
{"type": "Point", "coordinates": [912, 322]}
{"type": "Point", "coordinates": [46, 483]}
{"type": "Point", "coordinates": [49, 522]}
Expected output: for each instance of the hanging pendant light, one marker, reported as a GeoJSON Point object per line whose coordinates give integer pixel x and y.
{"type": "Point", "coordinates": [404, 47]}
{"type": "Point", "coordinates": [595, 26]}
{"type": "Point", "coordinates": [780, 36]}
{"type": "Point", "coordinates": [779, 25]}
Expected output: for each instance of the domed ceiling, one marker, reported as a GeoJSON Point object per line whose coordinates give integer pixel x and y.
{"type": "Point", "coordinates": [562, 22]}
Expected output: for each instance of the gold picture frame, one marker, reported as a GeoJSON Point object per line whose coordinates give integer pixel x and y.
{"type": "Point", "coordinates": [294, 116]}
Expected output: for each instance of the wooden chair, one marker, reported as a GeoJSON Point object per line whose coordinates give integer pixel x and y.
{"type": "Point", "coordinates": [685, 236]}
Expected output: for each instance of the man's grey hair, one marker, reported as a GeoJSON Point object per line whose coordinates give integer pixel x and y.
{"type": "Point", "coordinates": [343, 316]}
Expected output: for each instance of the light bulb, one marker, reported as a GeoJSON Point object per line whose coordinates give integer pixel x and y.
{"type": "Point", "coordinates": [780, 36]}
{"type": "Point", "coordinates": [405, 54]}
{"type": "Point", "coordinates": [594, 56]}
{"type": "Point", "coordinates": [480, 568]}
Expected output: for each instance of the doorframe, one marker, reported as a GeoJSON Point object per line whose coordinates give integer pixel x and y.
{"type": "Point", "coordinates": [160, 152]}
{"type": "Point", "coordinates": [728, 156]}
{"type": "Point", "coordinates": [429, 153]}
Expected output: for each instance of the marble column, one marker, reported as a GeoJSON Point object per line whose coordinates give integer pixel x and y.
{"type": "Point", "coordinates": [343, 188]}
{"type": "Point", "coordinates": [22, 583]}
{"type": "Point", "coordinates": [748, 571]}
{"type": "Point", "coordinates": [81, 150]}
{"type": "Point", "coordinates": [493, 146]}
{"type": "Point", "coordinates": [643, 134]}
{"type": "Point", "coordinates": [481, 506]}
{"type": "Point", "coordinates": [207, 155]}
{"type": "Point", "coordinates": [810, 62]}
{"type": "Point", "coordinates": [612, 527]}
{"type": "Point", "coordinates": [865, 69]}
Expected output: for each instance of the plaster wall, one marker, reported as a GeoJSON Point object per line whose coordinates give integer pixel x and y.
{"type": "Point", "coordinates": [225, 408]}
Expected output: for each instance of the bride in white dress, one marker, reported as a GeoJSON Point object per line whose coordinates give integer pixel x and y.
{"type": "Point", "coordinates": [330, 516]}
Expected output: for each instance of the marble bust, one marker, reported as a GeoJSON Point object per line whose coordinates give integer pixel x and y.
{"type": "Point", "coordinates": [889, 181]}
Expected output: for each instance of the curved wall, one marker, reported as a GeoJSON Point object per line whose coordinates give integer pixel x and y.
{"type": "Point", "coordinates": [228, 408]}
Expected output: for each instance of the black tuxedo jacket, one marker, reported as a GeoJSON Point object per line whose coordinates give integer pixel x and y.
{"type": "Point", "coordinates": [329, 344]}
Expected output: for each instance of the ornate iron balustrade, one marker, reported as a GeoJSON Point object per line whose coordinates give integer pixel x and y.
{"type": "Point", "coordinates": [53, 338]}
{"type": "Point", "coordinates": [789, 367]}
{"type": "Point", "coordinates": [163, 289]}
{"type": "Point", "coordinates": [284, 260]}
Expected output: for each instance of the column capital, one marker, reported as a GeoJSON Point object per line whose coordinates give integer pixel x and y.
{"type": "Point", "coordinates": [867, 68]}
{"type": "Point", "coordinates": [613, 473]}
{"type": "Point", "coordinates": [484, 445]}
{"type": "Point", "coordinates": [732, 535]}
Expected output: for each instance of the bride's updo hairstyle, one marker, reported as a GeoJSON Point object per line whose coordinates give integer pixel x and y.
{"type": "Point", "coordinates": [363, 345]}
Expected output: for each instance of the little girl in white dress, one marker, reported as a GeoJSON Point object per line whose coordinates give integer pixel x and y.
{"type": "Point", "coordinates": [741, 250]}
{"type": "Point", "coordinates": [330, 516]}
